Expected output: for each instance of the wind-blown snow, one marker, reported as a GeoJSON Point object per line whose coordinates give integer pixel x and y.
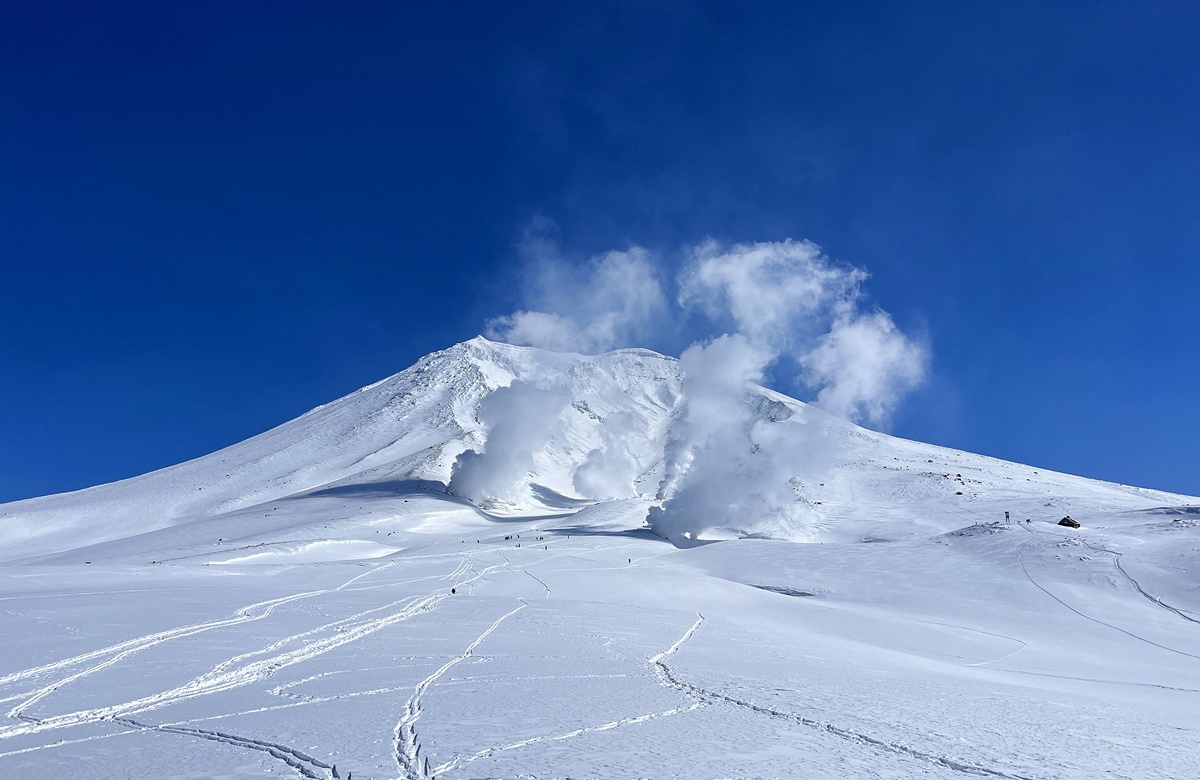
{"type": "Point", "coordinates": [322, 594]}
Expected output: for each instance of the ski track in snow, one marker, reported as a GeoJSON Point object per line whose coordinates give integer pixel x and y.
{"type": "Point", "coordinates": [671, 679]}
{"type": "Point", "coordinates": [1137, 586]}
{"type": "Point", "coordinates": [367, 573]}
{"type": "Point", "coordinates": [409, 760]}
{"type": "Point", "coordinates": [61, 743]}
{"type": "Point", "coordinates": [238, 671]}
{"type": "Point", "coordinates": [1098, 680]}
{"type": "Point", "coordinates": [122, 650]}
{"type": "Point", "coordinates": [225, 676]}
{"type": "Point", "coordinates": [304, 764]}
{"type": "Point", "coordinates": [544, 585]}
{"type": "Point", "coordinates": [1126, 632]}
{"type": "Point", "coordinates": [457, 762]}
{"type": "Point", "coordinates": [703, 697]}
{"type": "Point", "coordinates": [130, 646]}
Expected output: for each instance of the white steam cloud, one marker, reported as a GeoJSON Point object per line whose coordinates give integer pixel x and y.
{"type": "Point", "coordinates": [778, 294]}
{"type": "Point", "coordinates": [730, 468]}
{"type": "Point", "coordinates": [612, 300]}
{"type": "Point", "coordinates": [864, 365]}
{"type": "Point", "coordinates": [736, 460]}
{"type": "Point", "coordinates": [519, 421]}
{"type": "Point", "coordinates": [609, 471]}
{"type": "Point", "coordinates": [729, 465]}
{"type": "Point", "coordinates": [790, 300]}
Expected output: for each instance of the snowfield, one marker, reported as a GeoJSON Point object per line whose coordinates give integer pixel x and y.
{"type": "Point", "coordinates": [314, 597]}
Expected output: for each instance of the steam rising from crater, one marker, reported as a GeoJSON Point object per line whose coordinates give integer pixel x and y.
{"type": "Point", "coordinates": [519, 420]}
{"type": "Point", "coordinates": [729, 468]}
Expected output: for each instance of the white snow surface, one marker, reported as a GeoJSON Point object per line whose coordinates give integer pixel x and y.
{"type": "Point", "coordinates": [314, 597]}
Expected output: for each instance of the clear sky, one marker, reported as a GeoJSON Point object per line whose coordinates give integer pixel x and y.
{"type": "Point", "coordinates": [215, 216]}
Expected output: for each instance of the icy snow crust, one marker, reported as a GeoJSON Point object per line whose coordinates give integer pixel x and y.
{"type": "Point", "coordinates": [285, 605]}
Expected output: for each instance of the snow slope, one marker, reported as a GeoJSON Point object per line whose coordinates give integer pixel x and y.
{"type": "Point", "coordinates": [286, 604]}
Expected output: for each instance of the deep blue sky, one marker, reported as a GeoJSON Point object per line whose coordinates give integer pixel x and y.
{"type": "Point", "coordinates": [214, 216]}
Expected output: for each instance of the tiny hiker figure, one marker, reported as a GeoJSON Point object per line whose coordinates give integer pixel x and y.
{"type": "Point", "coordinates": [453, 591]}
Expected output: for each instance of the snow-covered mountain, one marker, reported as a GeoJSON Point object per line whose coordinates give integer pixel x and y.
{"type": "Point", "coordinates": [415, 424]}
{"type": "Point", "coordinates": [482, 567]}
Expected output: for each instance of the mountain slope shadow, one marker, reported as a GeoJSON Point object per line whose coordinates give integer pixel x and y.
{"type": "Point", "coordinates": [395, 488]}
{"type": "Point", "coordinates": [555, 500]}
{"type": "Point", "coordinates": [597, 530]}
